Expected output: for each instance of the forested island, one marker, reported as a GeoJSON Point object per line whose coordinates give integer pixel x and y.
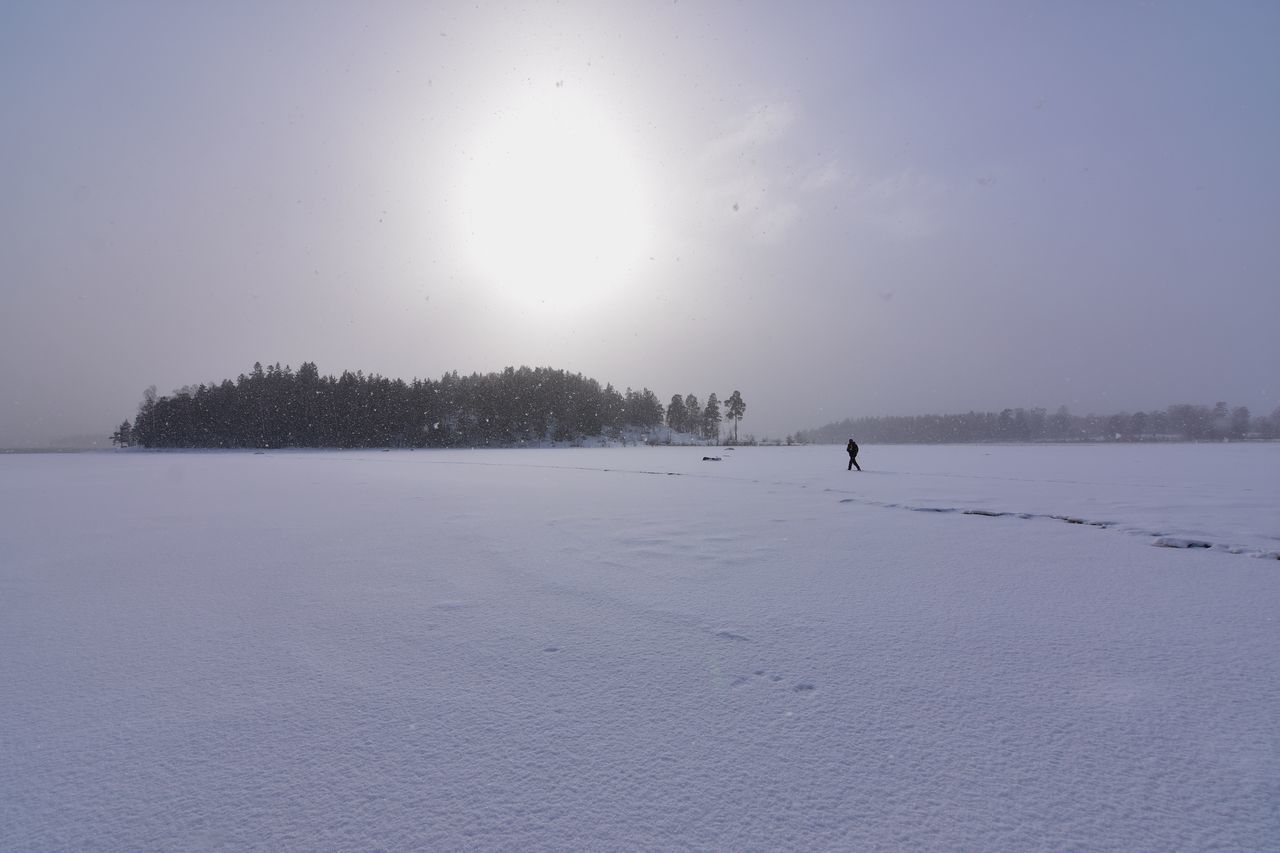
{"type": "Point", "coordinates": [1180, 422]}
{"type": "Point", "coordinates": [278, 407]}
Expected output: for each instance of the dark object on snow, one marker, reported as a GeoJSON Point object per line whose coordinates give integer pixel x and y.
{"type": "Point", "coordinates": [852, 447]}
{"type": "Point", "coordinates": [711, 459]}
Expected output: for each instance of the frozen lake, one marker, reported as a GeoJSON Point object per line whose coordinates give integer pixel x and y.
{"type": "Point", "coordinates": [638, 649]}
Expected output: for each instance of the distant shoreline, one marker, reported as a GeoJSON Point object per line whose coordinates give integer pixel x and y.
{"type": "Point", "coordinates": [568, 446]}
{"type": "Point", "coordinates": [56, 449]}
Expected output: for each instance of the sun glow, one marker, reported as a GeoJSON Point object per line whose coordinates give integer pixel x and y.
{"type": "Point", "coordinates": [553, 205]}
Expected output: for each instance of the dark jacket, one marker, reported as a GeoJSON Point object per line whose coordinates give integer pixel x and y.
{"type": "Point", "coordinates": [852, 447]}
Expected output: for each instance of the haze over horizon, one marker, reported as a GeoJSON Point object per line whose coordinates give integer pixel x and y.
{"type": "Point", "coordinates": [841, 210]}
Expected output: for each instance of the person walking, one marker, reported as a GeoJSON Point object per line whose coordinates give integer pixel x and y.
{"type": "Point", "coordinates": [852, 447]}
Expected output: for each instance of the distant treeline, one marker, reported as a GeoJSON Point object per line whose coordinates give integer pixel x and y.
{"type": "Point", "coordinates": [1182, 422]}
{"type": "Point", "coordinates": [276, 407]}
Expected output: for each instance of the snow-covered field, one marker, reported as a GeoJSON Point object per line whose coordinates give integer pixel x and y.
{"type": "Point", "coordinates": [638, 649]}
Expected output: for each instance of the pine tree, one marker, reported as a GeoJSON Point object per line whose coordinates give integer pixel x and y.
{"type": "Point", "coordinates": [711, 418]}
{"type": "Point", "coordinates": [1240, 421]}
{"type": "Point", "coordinates": [677, 414]}
{"type": "Point", "coordinates": [121, 435]}
{"type": "Point", "coordinates": [735, 408]}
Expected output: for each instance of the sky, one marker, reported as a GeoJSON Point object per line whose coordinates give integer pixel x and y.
{"type": "Point", "coordinates": [840, 209]}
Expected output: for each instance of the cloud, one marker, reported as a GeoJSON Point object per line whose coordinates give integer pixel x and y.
{"type": "Point", "coordinates": [764, 125]}
{"type": "Point", "coordinates": [776, 220]}
{"type": "Point", "coordinates": [755, 181]}
{"type": "Point", "coordinates": [745, 186]}
{"type": "Point", "coordinates": [901, 206]}
{"type": "Point", "coordinates": [826, 176]}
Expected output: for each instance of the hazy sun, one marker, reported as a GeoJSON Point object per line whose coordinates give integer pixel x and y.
{"type": "Point", "coordinates": [553, 206]}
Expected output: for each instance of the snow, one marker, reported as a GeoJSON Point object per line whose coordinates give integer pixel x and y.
{"type": "Point", "coordinates": [633, 648]}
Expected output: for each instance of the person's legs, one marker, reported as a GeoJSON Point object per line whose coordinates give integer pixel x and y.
{"type": "Point", "coordinates": [853, 460]}
{"type": "Point", "coordinates": [850, 468]}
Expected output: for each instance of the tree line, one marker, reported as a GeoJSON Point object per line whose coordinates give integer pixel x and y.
{"type": "Point", "coordinates": [278, 407]}
{"type": "Point", "coordinates": [1179, 422]}
{"type": "Point", "coordinates": [684, 414]}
